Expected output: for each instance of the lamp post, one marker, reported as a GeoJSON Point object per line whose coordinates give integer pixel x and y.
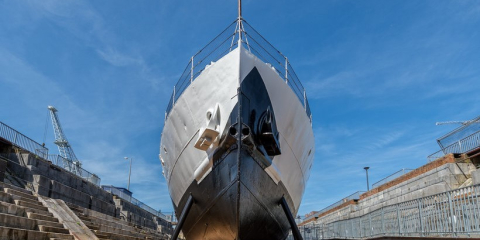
{"type": "Point", "coordinates": [129, 172]}
{"type": "Point", "coordinates": [366, 171]}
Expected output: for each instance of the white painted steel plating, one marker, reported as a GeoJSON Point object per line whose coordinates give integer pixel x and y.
{"type": "Point", "coordinates": [218, 83]}
{"type": "Point", "coordinates": [454, 213]}
{"type": "Point", "coordinates": [255, 44]}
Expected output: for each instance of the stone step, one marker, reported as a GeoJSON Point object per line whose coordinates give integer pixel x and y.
{"type": "Point", "coordinates": [116, 236]}
{"type": "Point", "coordinates": [6, 185]}
{"type": "Point", "coordinates": [20, 234]}
{"type": "Point", "coordinates": [10, 208]}
{"type": "Point", "coordinates": [84, 218]}
{"type": "Point", "coordinates": [5, 197]}
{"type": "Point", "coordinates": [38, 216]}
{"type": "Point", "coordinates": [49, 223]}
{"type": "Point", "coordinates": [92, 226]}
{"type": "Point", "coordinates": [60, 236]}
{"type": "Point", "coordinates": [121, 231]}
{"type": "Point", "coordinates": [42, 212]}
{"type": "Point", "coordinates": [101, 235]}
{"type": "Point", "coordinates": [44, 228]}
{"type": "Point", "coordinates": [21, 194]}
{"type": "Point", "coordinates": [117, 223]}
{"type": "Point", "coordinates": [15, 197]}
{"type": "Point", "coordinates": [12, 221]}
{"type": "Point", "coordinates": [37, 205]}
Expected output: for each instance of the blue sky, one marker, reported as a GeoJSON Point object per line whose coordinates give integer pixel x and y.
{"type": "Point", "coordinates": [378, 74]}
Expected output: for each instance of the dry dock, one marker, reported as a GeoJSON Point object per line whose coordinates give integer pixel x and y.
{"type": "Point", "coordinates": [40, 199]}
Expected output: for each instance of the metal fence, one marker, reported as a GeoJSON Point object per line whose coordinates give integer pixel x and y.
{"type": "Point", "coordinates": [137, 202]}
{"type": "Point", "coordinates": [225, 42]}
{"type": "Point", "coordinates": [466, 129]}
{"type": "Point", "coordinates": [391, 177]}
{"type": "Point", "coordinates": [353, 196]}
{"type": "Point", "coordinates": [22, 141]}
{"type": "Point", "coordinates": [454, 213]}
{"type": "Point", "coordinates": [467, 144]}
{"type": "Point", "coordinates": [70, 166]}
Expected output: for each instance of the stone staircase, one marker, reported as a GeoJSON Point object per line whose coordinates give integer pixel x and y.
{"type": "Point", "coordinates": [22, 216]}
{"type": "Point", "coordinates": [108, 227]}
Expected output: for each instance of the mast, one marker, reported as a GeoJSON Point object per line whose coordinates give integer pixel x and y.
{"type": "Point", "coordinates": [239, 10]}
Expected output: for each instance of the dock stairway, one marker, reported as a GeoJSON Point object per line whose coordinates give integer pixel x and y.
{"type": "Point", "coordinates": [108, 227]}
{"type": "Point", "coordinates": [23, 216]}
{"type": "Point", "coordinates": [26, 216]}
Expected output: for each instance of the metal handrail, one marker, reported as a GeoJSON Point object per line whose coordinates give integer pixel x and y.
{"type": "Point", "coordinates": [70, 166]}
{"type": "Point", "coordinates": [464, 145]}
{"type": "Point", "coordinates": [353, 196]}
{"type": "Point", "coordinates": [22, 141]}
{"type": "Point", "coordinates": [222, 44]}
{"type": "Point", "coordinates": [452, 213]}
{"type": "Point", "coordinates": [391, 177]}
{"type": "Point", "coordinates": [471, 124]}
{"type": "Point", "coordinates": [136, 202]}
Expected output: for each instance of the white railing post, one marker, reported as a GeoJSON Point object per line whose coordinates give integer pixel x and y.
{"type": "Point", "coordinates": [173, 100]}
{"type": "Point", "coordinates": [15, 138]}
{"type": "Point", "coordinates": [305, 99]}
{"type": "Point", "coordinates": [452, 214]}
{"type": "Point", "coordinates": [191, 71]}
{"type": "Point", "coordinates": [286, 70]}
{"type": "Point", "coordinates": [399, 222]}
{"type": "Point", "coordinates": [420, 202]}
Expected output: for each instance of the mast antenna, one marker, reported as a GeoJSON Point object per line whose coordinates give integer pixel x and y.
{"type": "Point", "coordinates": [239, 10]}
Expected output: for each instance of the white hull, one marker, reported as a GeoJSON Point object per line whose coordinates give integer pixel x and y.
{"type": "Point", "coordinates": [216, 87]}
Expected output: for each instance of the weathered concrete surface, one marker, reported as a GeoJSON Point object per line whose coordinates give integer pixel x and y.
{"type": "Point", "coordinates": [69, 220]}
{"type": "Point", "coordinates": [439, 176]}
{"type": "Point", "coordinates": [27, 170]}
{"type": "Point", "coordinates": [476, 177]}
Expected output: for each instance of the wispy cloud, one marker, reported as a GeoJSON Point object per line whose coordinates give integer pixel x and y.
{"type": "Point", "coordinates": [118, 59]}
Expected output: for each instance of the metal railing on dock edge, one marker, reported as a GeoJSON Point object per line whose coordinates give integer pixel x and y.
{"type": "Point", "coordinates": [453, 213]}
{"type": "Point", "coordinates": [21, 141]}
{"type": "Point", "coordinates": [137, 202]}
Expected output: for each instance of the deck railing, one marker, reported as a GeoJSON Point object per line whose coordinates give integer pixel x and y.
{"type": "Point", "coordinates": [225, 42]}
{"type": "Point", "coordinates": [454, 213]}
{"type": "Point", "coordinates": [391, 177]}
{"type": "Point", "coordinates": [22, 141]}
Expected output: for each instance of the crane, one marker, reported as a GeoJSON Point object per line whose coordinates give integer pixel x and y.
{"type": "Point", "coordinates": [72, 164]}
{"type": "Point", "coordinates": [457, 122]}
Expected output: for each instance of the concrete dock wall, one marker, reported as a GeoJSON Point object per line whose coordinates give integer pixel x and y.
{"type": "Point", "coordinates": [439, 176]}
{"type": "Point", "coordinates": [47, 179]}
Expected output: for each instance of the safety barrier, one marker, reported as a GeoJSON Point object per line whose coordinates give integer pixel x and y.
{"type": "Point", "coordinates": [22, 141]}
{"type": "Point", "coordinates": [225, 42]}
{"type": "Point", "coordinates": [454, 213]}
{"type": "Point", "coordinates": [74, 168]}
{"type": "Point", "coordinates": [391, 177]}
{"type": "Point", "coordinates": [463, 145]}
{"type": "Point", "coordinates": [136, 202]}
